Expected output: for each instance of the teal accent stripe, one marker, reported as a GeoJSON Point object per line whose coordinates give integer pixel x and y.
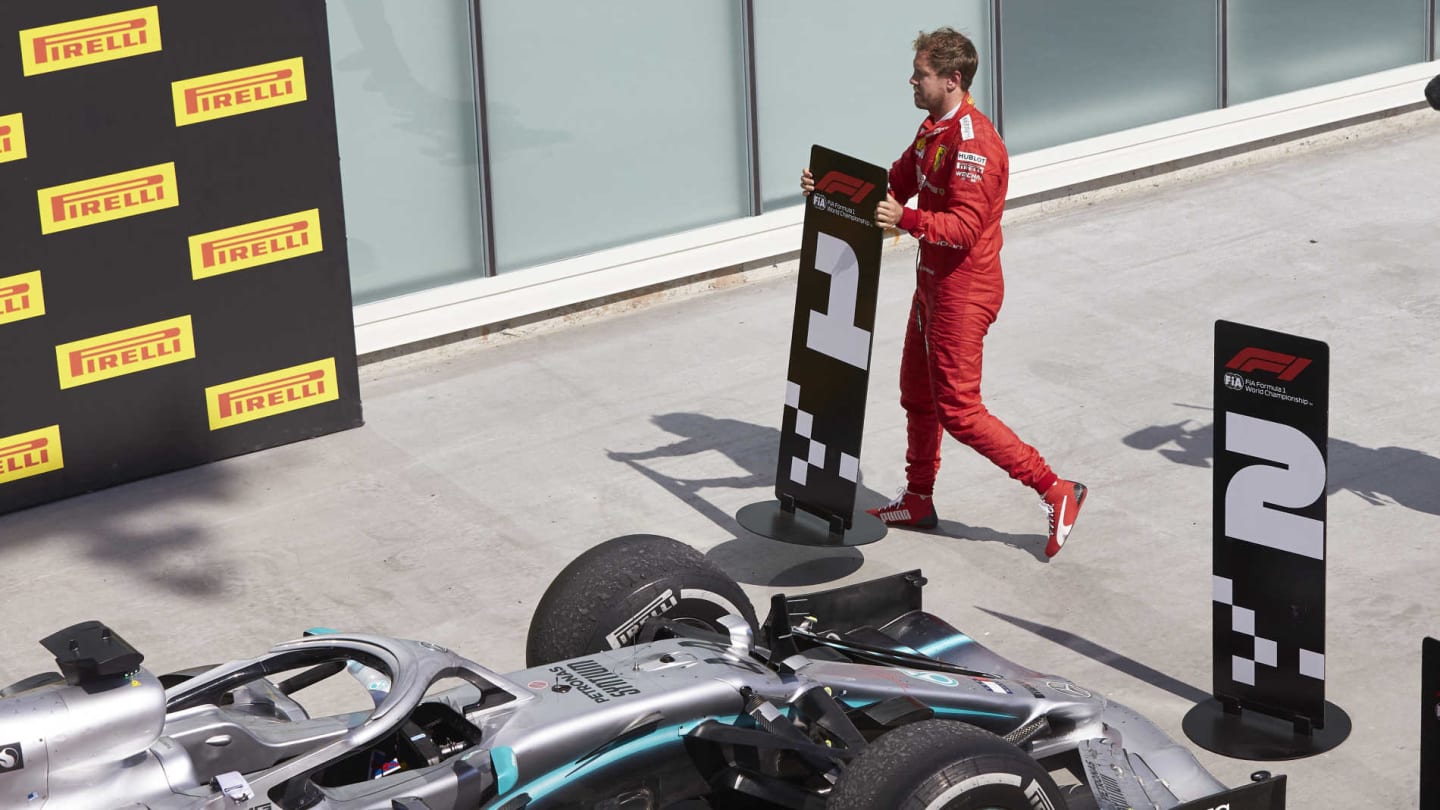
{"type": "Point", "coordinates": [946, 710]}
{"type": "Point", "coordinates": [936, 648]}
{"type": "Point", "coordinates": [507, 771]}
{"type": "Point", "coordinates": [856, 703]}
{"type": "Point", "coordinates": [547, 783]}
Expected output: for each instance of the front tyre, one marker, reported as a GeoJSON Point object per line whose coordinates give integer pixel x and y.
{"type": "Point", "coordinates": [603, 598]}
{"type": "Point", "coordinates": [944, 765]}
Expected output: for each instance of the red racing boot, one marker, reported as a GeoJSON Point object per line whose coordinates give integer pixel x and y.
{"type": "Point", "coordinates": [908, 509]}
{"type": "Point", "coordinates": [1062, 503]}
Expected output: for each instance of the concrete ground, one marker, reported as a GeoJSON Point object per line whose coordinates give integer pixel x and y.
{"type": "Point", "coordinates": [483, 468]}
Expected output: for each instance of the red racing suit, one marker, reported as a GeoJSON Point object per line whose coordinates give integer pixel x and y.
{"type": "Point", "coordinates": [960, 169]}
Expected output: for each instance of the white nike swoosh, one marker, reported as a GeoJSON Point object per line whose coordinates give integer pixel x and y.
{"type": "Point", "coordinates": [1061, 530]}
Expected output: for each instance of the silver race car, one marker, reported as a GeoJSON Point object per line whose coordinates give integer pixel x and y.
{"type": "Point", "coordinates": [650, 685]}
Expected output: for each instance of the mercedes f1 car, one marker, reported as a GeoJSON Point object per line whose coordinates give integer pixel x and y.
{"type": "Point", "coordinates": [649, 685]}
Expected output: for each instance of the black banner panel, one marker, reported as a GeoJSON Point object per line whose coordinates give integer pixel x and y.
{"type": "Point", "coordinates": [174, 286]}
{"type": "Point", "coordinates": [1430, 725]}
{"type": "Point", "coordinates": [1271, 436]}
{"type": "Point", "coordinates": [834, 326]}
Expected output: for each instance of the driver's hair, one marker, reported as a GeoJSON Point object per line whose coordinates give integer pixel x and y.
{"type": "Point", "coordinates": [949, 52]}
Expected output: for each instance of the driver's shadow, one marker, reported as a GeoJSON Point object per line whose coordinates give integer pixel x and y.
{"type": "Point", "coordinates": [750, 448]}
{"type": "Point", "coordinates": [1032, 544]}
{"type": "Point", "coordinates": [1377, 475]}
{"type": "Point", "coordinates": [754, 450]}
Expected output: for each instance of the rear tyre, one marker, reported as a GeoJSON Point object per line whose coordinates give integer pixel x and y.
{"type": "Point", "coordinates": [603, 598]}
{"type": "Point", "coordinates": [944, 765]}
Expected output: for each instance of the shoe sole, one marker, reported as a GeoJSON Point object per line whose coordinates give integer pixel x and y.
{"type": "Point", "coordinates": [924, 523]}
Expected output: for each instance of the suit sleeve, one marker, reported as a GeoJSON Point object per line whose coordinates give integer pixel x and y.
{"type": "Point", "coordinates": [971, 203]}
{"type": "Point", "coordinates": [902, 176]}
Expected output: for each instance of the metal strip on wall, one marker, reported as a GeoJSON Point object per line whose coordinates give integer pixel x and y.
{"type": "Point", "coordinates": [752, 104]}
{"type": "Point", "coordinates": [1222, 56]}
{"type": "Point", "coordinates": [1430, 31]}
{"type": "Point", "coordinates": [489, 265]}
{"type": "Point", "coordinates": [997, 72]}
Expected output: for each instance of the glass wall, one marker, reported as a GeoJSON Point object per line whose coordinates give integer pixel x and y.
{"type": "Point", "coordinates": [405, 109]}
{"type": "Point", "coordinates": [1076, 70]}
{"type": "Point", "coordinates": [611, 122]}
{"type": "Point", "coordinates": [1277, 46]}
{"type": "Point", "coordinates": [837, 73]}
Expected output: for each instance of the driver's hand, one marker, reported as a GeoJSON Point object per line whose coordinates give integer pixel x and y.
{"type": "Point", "coordinates": [807, 182]}
{"type": "Point", "coordinates": [887, 213]}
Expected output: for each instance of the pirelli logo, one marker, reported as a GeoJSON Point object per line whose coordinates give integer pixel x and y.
{"type": "Point", "coordinates": [27, 454]}
{"type": "Point", "coordinates": [277, 392]}
{"type": "Point", "coordinates": [264, 242]}
{"type": "Point", "coordinates": [94, 39]}
{"type": "Point", "coordinates": [125, 352]}
{"type": "Point", "coordinates": [12, 137]}
{"type": "Point", "coordinates": [21, 297]}
{"type": "Point", "coordinates": [236, 92]}
{"type": "Point", "coordinates": [114, 196]}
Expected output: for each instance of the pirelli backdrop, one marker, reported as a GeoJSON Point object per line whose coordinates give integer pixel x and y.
{"type": "Point", "coordinates": [173, 280]}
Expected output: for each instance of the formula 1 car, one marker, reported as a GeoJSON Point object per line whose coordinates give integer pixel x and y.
{"type": "Point", "coordinates": [649, 685]}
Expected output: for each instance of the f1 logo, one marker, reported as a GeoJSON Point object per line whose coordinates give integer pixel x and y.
{"type": "Point", "coordinates": [1286, 366]}
{"type": "Point", "coordinates": [12, 758]}
{"type": "Point", "coordinates": [841, 183]}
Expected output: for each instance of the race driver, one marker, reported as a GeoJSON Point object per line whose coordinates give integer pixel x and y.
{"type": "Point", "coordinates": [959, 168]}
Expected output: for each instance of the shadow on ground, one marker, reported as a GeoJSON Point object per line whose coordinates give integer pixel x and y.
{"type": "Point", "coordinates": [1379, 475]}
{"type": "Point", "coordinates": [1108, 657]}
{"type": "Point", "coordinates": [754, 450]}
{"type": "Point", "coordinates": [131, 527]}
{"type": "Point", "coordinates": [1032, 544]}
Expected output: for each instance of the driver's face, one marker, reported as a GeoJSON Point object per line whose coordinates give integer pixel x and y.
{"type": "Point", "coordinates": [930, 89]}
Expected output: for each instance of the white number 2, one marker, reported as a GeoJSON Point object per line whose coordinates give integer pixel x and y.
{"type": "Point", "coordinates": [834, 333]}
{"type": "Point", "coordinates": [1297, 484]}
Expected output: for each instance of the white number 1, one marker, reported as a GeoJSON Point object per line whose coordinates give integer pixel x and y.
{"type": "Point", "coordinates": [834, 333]}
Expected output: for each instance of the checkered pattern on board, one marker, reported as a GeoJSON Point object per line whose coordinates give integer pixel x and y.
{"type": "Point", "coordinates": [1266, 651]}
{"type": "Point", "coordinates": [849, 467]}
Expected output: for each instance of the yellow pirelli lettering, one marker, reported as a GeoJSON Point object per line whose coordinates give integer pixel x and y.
{"type": "Point", "coordinates": [236, 92]}
{"type": "Point", "coordinates": [12, 138]}
{"type": "Point", "coordinates": [21, 297]}
{"type": "Point", "coordinates": [27, 454]}
{"type": "Point", "coordinates": [94, 39]}
{"type": "Point", "coordinates": [102, 199]}
{"type": "Point", "coordinates": [275, 392]}
{"type": "Point", "coordinates": [125, 352]}
{"type": "Point", "coordinates": [255, 243]}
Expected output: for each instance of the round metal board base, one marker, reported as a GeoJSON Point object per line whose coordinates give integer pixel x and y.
{"type": "Point", "coordinates": [1256, 736]}
{"type": "Point", "coordinates": [801, 528]}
